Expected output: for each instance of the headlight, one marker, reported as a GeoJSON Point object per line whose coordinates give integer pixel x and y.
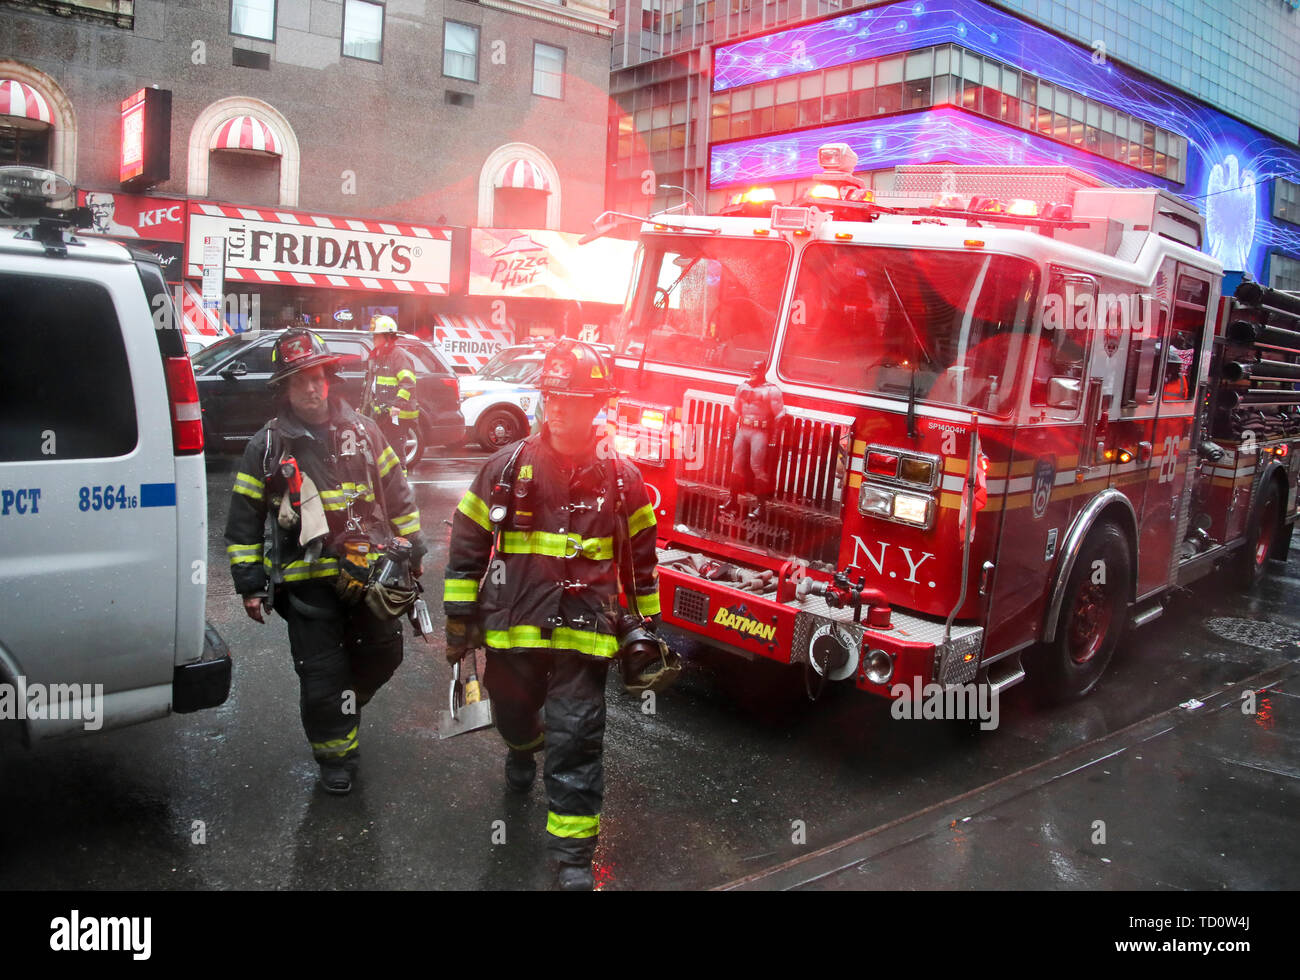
{"type": "Point", "coordinates": [911, 510]}
{"type": "Point", "coordinates": [469, 393]}
{"type": "Point", "coordinates": [874, 500]}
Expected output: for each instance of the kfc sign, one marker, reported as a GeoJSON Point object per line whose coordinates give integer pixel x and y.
{"type": "Point", "coordinates": [156, 219]}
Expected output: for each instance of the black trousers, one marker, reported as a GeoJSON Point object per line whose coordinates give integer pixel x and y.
{"type": "Point", "coordinates": [556, 700]}
{"type": "Point", "coordinates": [342, 656]}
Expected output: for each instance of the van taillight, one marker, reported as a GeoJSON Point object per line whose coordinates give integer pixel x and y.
{"type": "Point", "coordinates": [187, 416]}
{"type": "Point", "coordinates": [454, 384]}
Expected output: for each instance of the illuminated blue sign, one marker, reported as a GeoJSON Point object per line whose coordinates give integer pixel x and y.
{"type": "Point", "coordinates": [1230, 165]}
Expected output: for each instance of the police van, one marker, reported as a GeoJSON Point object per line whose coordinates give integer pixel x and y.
{"type": "Point", "coordinates": [103, 495]}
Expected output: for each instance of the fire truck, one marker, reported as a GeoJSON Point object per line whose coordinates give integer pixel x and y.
{"type": "Point", "coordinates": [962, 439]}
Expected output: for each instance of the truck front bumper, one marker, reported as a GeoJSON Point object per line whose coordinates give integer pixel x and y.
{"type": "Point", "coordinates": [758, 624]}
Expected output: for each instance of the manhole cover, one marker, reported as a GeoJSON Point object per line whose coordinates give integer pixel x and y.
{"type": "Point", "coordinates": [1253, 633]}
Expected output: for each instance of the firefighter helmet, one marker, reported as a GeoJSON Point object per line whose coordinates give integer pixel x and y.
{"type": "Point", "coordinates": [298, 349]}
{"type": "Point", "coordinates": [572, 367]}
{"type": "Point", "coordinates": [379, 323]}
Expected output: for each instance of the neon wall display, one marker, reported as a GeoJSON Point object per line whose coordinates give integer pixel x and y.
{"type": "Point", "coordinates": [1230, 165]}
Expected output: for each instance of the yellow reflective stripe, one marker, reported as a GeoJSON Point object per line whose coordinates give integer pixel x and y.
{"type": "Point", "coordinates": [648, 605]}
{"type": "Point", "coordinates": [472, 507]}
{"type": "Point", "coordinates": [244, 554]}
{"type": "Point", "coordinates": [555, 545]}
{"type": "Point", "coordinates": [403, 413]}
{"type": "Point", "coordinates": [387, 460]}
{"type": "Point", "coordinates": [642, 518]}
{"type": "Point", "coordinates": [336, 747]}
{"type": "Point", "coordinates": [386, 379]}
{"type": "Point", "coordinates": [459, 590]}
{"type": "Point", "coordinates": [403, 393]}
{"type": "Point", "coordinates": [406, 373]}
{"type": "Point", "coordinates": [248, 486]}
{"type": "Point", "coordinates": [527, 746]}
{"type": "Point", "coordinates": [560, 825]}
{"type": "Point", "coordinates": [301, 571]}
{"type": "Point", "coordinates": [407, 523]}
{"type": "Point", "coordinates": [562, 638]}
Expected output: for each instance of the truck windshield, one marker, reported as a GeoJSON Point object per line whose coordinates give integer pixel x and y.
{"type": "Point", "coordinates": [871, 319]}
{"type": "Point", "coordinates": [706, 301]}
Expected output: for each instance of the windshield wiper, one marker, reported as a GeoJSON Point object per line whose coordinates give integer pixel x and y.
{"type": "Point", "coordinates": [916, 334]}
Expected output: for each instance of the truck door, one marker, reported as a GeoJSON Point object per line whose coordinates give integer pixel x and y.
{"type": "Point", "coordinates": [1178, 372]}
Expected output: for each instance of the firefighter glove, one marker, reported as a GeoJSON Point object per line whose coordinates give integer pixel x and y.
{"type": "Point", "coordinates": [464, 633]}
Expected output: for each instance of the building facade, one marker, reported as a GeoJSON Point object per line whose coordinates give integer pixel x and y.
{"type": "Point", "coordinates": [419, 121]}
{"type": "Point", "coordinates": [1201, 99]}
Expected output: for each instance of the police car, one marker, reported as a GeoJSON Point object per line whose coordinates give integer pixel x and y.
{"type": "Point", "coordinates": [103, 495]}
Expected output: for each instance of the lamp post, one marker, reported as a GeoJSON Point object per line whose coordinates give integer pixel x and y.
{"type": "Point", "coordinates": [685, 194]}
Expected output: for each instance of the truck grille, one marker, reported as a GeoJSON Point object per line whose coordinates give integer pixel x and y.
{"type": "Point", "coordinates": [804, 516]}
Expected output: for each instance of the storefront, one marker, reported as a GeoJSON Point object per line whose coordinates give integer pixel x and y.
{"type": "Point", "coordinates": [284, 267]}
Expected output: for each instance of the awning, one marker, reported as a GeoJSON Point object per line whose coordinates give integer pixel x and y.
{"type": "Point", "coordinates": [246, 133]}
{"type": "Point", "coordinates": [17, 99]}
{"type": "Point", "coordinates": [523, 174]}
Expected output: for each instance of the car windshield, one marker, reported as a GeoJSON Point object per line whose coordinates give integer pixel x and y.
{"type": "Point", "coordinates": [209, 356]}
{"type": "Point", "coordinates": [706, 301]}
{"type": "Point", "coordinates": [519, 371]}
{"type": "Point", "coordinates": [953, 324]}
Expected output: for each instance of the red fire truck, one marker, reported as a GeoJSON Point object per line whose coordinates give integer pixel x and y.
{"type": "Point", "coordinates": [955, 441]}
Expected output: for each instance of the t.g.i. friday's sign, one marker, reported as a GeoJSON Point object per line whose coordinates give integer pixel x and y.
{"type": "Point", "coordinates": [276, 246]}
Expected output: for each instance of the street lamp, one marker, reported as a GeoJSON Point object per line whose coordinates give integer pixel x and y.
{"type": "Point", "coordinates": [685, 193]}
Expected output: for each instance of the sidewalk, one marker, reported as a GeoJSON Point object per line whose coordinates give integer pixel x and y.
{"type": "Point", "coordinates": [1203, 796]}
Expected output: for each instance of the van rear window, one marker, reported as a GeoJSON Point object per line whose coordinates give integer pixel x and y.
{"type": "Point", "coordinates": [65, 384]}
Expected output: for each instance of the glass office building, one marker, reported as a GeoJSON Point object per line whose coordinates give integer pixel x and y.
{"type": "Point", "coordinates": [1200, 99]}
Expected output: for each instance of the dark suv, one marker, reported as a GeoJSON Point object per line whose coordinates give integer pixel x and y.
{"type": "Point", "coordinates": [232, 377]}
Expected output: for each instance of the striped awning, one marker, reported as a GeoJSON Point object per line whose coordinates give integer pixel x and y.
{"type": "Point", "coordinates": [18, 99]}
{"type": "Point", "coordinates": [523, 174]}
{"type": "Point", "coordinates": [246, 133]}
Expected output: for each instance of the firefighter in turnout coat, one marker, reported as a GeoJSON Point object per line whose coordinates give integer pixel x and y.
{"type": "Point", "coordinates": [389, 391]}
{"type": "Point", "coordinates": [533, 574]}
{"type": "Point", "coordinates": [334, 494]}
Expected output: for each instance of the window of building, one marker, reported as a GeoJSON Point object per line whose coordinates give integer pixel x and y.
{"type": "Point", "coordinates": [363, 30]}
{"type": "Point", "coordinates": [21, 144]}
{"type": "Point", "coordinates": [1286, 202]}
{"type": "Point", "coordinates": [548, 70]}
{"type": "Point", "coordinates": [460, 51]}
{"type": "Point", "coordinates": [253, 18]}
{"type": "Point", "coordinates": [1284, 273]}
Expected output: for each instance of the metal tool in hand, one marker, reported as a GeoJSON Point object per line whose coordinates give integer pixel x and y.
{"type": "Point", "coordinates": [469, 712]}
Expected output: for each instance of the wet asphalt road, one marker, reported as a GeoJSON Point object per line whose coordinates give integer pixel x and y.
{"type": "Point", "coordinates": [705, 791]}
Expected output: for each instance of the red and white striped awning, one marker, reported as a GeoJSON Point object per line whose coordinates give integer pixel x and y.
{"type": "Point", "coordinates": [523, 174]}
{"type": "Point", "coordinates": [246, 133]}
{"type": "Point", "coordinates": [17, 99]}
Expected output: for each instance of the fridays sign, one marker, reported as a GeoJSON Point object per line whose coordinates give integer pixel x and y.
{"type": "Point", "coordinates": [276, 246]}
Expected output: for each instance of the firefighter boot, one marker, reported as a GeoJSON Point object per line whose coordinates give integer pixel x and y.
{"type": "Point", "coordinates": [335, 778]}
{"type": "Point", "coordinates": [521, 770]}
{"type": "Point", "coordinates": [575, 878]}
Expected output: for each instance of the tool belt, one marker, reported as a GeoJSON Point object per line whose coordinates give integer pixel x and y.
{"type": "Point", "coordinates": [362, 578]}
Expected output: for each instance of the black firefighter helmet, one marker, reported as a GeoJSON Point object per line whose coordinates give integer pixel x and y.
{"type": "Point", "coordinates": [298, 349]}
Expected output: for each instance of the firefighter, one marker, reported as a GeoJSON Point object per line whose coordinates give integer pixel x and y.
{"type": "Point", "coordinates": [564, 515]}
{"type": "Point", "coordinates": [760, 412]}
{"type": "Point", "coordinates": [335, 494]}
{"type": "Point", "coordinates": [389, 392]}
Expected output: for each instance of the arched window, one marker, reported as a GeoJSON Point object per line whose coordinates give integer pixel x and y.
{"type": "Point", "coordinates": [244, 151]}
{"type": "Point", "coordinates": [519, 188]}
{"type": "Point", "coordinates": [37, 125]}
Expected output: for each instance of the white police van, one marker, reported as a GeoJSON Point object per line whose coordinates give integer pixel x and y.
{"type": "Point", "coordinates": [103, 495]}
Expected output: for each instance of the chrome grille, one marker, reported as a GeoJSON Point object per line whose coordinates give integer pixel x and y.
{"type": "Point", "coordinates": [804, 516]}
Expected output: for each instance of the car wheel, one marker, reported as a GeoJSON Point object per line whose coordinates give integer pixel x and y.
{"type": "Point", "coordinates": [411, 448]}
{"type": "Point", "coordinates": [497, 428]}
{"type": "Point", "coordinates": [1261, 537]}
{"type": "Point", "coordinates": [1094, 613]}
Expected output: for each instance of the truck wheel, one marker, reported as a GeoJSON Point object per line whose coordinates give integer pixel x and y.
{"type": "Point", "coordinates": [1093, 616]}
{"type": "Point", "coordinates": [1261, 537]}
{"type": "Point", "coordinates": [497, 428]}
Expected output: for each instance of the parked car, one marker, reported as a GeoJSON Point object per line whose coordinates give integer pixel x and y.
{"type": "Point", "coordinates": [103, 491]}
{"type": "Point", "coordinates": [501, 401]}
{"type": "Point", "coordinates": [232, 377]}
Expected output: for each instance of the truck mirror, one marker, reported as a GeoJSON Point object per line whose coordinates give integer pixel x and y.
{"type": "Point", "coordinates": [1064, 393]}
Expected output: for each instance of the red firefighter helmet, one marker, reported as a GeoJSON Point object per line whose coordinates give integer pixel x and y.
{"type": "Point", "coordinates": [572, 367]}
{"type": "Point", "coordinates": [297, 350]}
